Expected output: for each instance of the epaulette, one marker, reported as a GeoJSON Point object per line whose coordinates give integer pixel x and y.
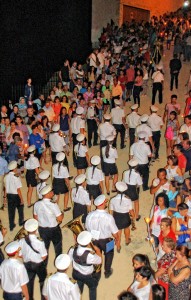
{"type": "Point", "coordinates": [16, 175]}
{"type": "Point", "coordinates": [73, 280]}
{"type": "Point", "coordinates": [40, 239]}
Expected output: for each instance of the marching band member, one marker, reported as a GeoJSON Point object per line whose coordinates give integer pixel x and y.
{"type": "Point", "coordinates": [61, 183]}
{"type": "Point", "coordinates": [81, 198]}
{"type": "Point", "coordinates": [95, 178]}
{"type": "Point", "coordinates": [92, 118]}
{"type": "Point", "coordinates": [118, 121]}
{"type": "Point", "coordinates": [57, 143]}
{"type": "Point", "coordinates": [34, 253]}
{"type": "Point", "coordinates": [43, 176]}
{"type": "Point", "coordinates": [82, 156]}
{"type": "Point", "coordinates": [133, 120]}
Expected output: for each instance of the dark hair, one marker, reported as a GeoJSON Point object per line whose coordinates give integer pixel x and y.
{"type": "Point", "coordinates": [170, 243]}
{"type": "Point", "coordinates": [107, 149]}
{"type": "Point", "coordinates": [173, 96]}
{"type": "Point", "coordinates": [62, 110]}
{"type": "Point", "coordinates": [174, 159]}
{"type": "Point", "coordinates": [158, 292]}
{"type": "Point", "coordinates": [127, 296]}
{"type": "Point", "coordinates": [184, 251]}
{"type": "Point", "coordinates": [142, 258]}
{"type": "Point", "coordinates": [174, 113]}
{"type": "Point", "coordinates": [15, 134]}
{"type": "Point", "coordinates": [34, 126]}
{"type": "Point", "coordinates": [166, 220]}
{"type": "Point", "coordinates": [30, 120]}
{"type": "Point", "coordinates": [178, 146]}
{"type": "Point", "coordinates": [160, 170]}
{"type": "Point", "coordinates": [182, 206]}
{"type": "Point", "coordinates": [145, 272]}
{"type": "Point", "coordinates": [165, 197]}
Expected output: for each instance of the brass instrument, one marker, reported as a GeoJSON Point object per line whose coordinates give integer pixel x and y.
{"type": "Point", "coordinates": [22, 233]}
{"type": "Point", "coordinates": [77, 227]}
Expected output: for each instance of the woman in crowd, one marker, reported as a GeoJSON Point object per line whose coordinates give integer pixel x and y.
{"type": "Point", "coordinates": [141, 286]}
{"type": "Point", "coordinates": [72, 109]}
{"type": "Point", "coordinates": [174, 197]}
{"type": "Point", "coordinates": [121, 209]}
{"type": "Point", "coordinates": [23, 128]}
{"type": "Point", "coordinates": [157, 292]}
{"type": "Point", "coordinates": [63, 120]}
{"type": "Point", "coordinates": [133, 180]}
{"type": "Point", "coordinates": [171, 134]}
{"type": "Point", "coordinates": [137, 87]}
{"type": "Point", "coordinates": [110, 155]}
{"type": "Point", "coordinates": [61, 183]}
{"type": "Point", "coordinates": [64, 103]}
{"type": "Point", "coordinates": [140, 260]}
{"type": "Point", "coordinates": [172, 168]}
{"type": "Point", "coordinates": [46, 128]}
{"type": "Point", "coordinates": [165, 262]}
{"type": "Point", "coordinates": [81, 152]}
{"type": "Point", "coordinates": [56, 107]}
{"type": "Point", "coordinates": [180, 275]}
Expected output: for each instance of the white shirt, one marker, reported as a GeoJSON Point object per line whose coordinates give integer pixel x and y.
{"type": "Point", "coordinates": [61, 173]}
{"type": "Point", "coordinates": [81, 197]}
{"type": "Point", "coordinates": [96, 178]}
{"type": "Point", "coordinates": [157, 77]}
{"type": "Point", "coordinates": [13, 275]}
{"type": "Point", "coordinates": [133, 119]}
{"type": "Point", "coordinates": [155, 122]}
{"type": "Point", "coordinates": [117, 115]}
{"type": "Point", "coordinates": [132, 178]}
{"type": "Point", "coordinates": [101, 222]}
{"type": "Point", "coordinates": [12, 183]}
{"type": "Point", "coordinates": [1, 238]}
{"type": "Point", "coordinates": [80, 151]}
{"type": "Point", "coordinates": [121, 206]}
{"type": "Point", "coordinates": [105, 130]}
{"type": "Point", "coordinates": [76, 124]}
{"type": "Point", "coordinates": [49, 112]}
{"type": "Point", "coordinates": [59, 287]}
{"type": "Point", "coordinates": [146, 128]}
{"type": "Point", "coordinates": [91, 112]}
{"type": "Point", "coordinates": [47, 212]}
{"type": "Point", "coordinates": [56, 142]}
{"type": "Point", "coordinates": [32, 163]}
{"type": "Point", "coordinates": [112, 155]}
{"type": "Point", "coordinates": [28, 254]}
{"type": "Point", "coordinates": [140, 151]}
{"type": "Point", "coordinates": [185, 128]}
{"type": "Point", "coordinates": [92, 259]}
{"type": "Point", "coordinates": [39, 187]}
{"type": "Point", "coordinates": [143, 293]}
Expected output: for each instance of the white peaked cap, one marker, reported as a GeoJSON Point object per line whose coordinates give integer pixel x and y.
{"type": "Point", "coordinates": [84, 238]}
{"type": "Point", "coordinates": [121, 186]}
{"type": "Point", "coordinates": [80, 179]}
{"type": "Point", "coordinates": [12, 247]}
{"type": "Point", "coordinates": [79, 110]}
{"type": "Point", "coordinates": [55, 127]}
{"type": "Point", "coordinates": [154, 108]}
{"type": "Point", "coordinates": [134, 106]}
{"type": "Point", "coordinates": [62, 262]}
{"type": "Point", "coordinates": [60, 156]}
{"type": "Point", "coordinates": [46, 189]}
{"type": "Point", "coordinates": [144, 118]}
{"type": "Point", "coordinates": [95, 160]}
{"type": "Point", "coordinates": [31, 225]}
{"type": "Point", "coordinates": [12, 165]}
{"type": "Point", "coordinates": [142, 134]}
{"type": "Point", "coordinates": [99, 200]}
{"type": "Point", "coordinates": [44, 174]}
{"type": "Point", "coordinates": [133, 162]}
{"type": "Point", "coordinates": [80, 137]}
{"type": "Point", "coordinates": [31, 148]}
{"type": "Point", "coordinates": [107, 117]}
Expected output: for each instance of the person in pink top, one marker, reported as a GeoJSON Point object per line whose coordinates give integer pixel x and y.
{"type": "Point", "coordinates": [130, 77]}
{"type": "Point", "coordinates": [172, 106]}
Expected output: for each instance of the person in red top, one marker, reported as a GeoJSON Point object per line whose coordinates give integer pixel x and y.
{"type": "Point", "coordinates": [182, 161]}
{"type": "Point", "coordinates": [122, 80]}
{"type": "Point", "coordinates": [130, 77]}
{"type": "Point", "coordinates": [166, 230]}
{"type": "Point", "coordinates": [187, 109]}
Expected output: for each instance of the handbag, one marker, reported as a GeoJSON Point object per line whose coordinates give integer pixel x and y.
{"type": "Point", "coordinates": [183, 238]}
{"type": "Point", "coordinates": [169, 133]}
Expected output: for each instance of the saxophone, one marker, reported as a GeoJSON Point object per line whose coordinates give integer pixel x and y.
{"type": "Point", "coordinates": [77, 227]}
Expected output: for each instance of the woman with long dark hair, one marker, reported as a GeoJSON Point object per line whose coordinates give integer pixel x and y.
{"type": "Point", "coordinates": [82, 155]}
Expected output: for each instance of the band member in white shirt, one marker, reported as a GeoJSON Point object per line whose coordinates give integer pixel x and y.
{"type": "Point", "coordinates": [81, 152]}
{"type": "Point", "coordinates": [95, 178]}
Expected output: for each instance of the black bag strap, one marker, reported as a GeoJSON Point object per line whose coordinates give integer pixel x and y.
{"type": "Point", "coordinates": [30, 245]}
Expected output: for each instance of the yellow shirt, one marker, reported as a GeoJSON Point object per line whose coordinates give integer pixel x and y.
{"type": "Point", "coordinates": [66, 105]}
{"type": "Point", "coordinates": [116, 91]}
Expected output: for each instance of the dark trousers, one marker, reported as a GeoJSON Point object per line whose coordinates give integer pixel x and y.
{"type": "Point", "coordinates": [136, 94]}
{"type": "Point", "coordinates": [14, 203]}
{"type": "Point", "coordinates": [131, 136]}
{"type": "Point", "coordinates": [103, 143]}
{"type": "Point", "coordinates": [90, 280]}
{"type": "Point", "coordinates": [101, 244]}
{"type": "Point", "coordinates": [53, 235]}
{"type": "Point", "coordinates": [119, 129]}
{"type": "Point", "coordinates": [156, 141]}
{"type": "Point", "coordinates": [12, 296]}
{"type": "Point", "coordinates": [33, 270]}
{"type": "Point", "coordinates": [174, 77]}
{"type": "Point", "coordinates": [157, 86]}
{"type": "Point", "coordinates": [144, 172]}
{"type": "Point", "coordinates": [74, 140]}
{"type": "Point", "coordinates": [92, 129]}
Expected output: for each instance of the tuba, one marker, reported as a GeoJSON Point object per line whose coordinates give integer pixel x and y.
{"type": "Point", "coordinates": [22, 233]}
{"type": "Point", "coordinates": [76, 226]}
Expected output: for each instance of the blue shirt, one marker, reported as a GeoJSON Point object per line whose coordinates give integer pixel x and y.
{"type": "Point", "coordinates": [36, 140]}
{"type": "Point", "coordinates": [3, 166]}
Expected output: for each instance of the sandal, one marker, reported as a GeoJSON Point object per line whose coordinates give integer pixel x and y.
{"type": "Point", "coordinates": [67, 209]}
{"type": "Point", "coordinates": [127, 243]}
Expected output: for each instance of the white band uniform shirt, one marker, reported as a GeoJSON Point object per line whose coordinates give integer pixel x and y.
{"type": "Point", "coordinates": [133, 119]}
{"type": "Point", "coordinates": [76, 124]}
{"type": "Point", "coordinates": [119, 205]}
{"type": "Point", "coordinates": [132, 178]}
{"type": "Point", "coordinates": [80, 196]}
{"type": "Point", "coordinates": [56, 142]}
{"type": "Point", "coordinates": [61, 172]}
{"type": "Point", "coordinates": [32, 163]}
{"type": "Point", "coordinates": [155, 122]}
{"type": "Point", "coordinates": [105, 130]}
{"type": "Point", "coordinates": [28, 254]}
{"type": "Point", "coordinates": [157, 77]}
{"type": "Point", "coordinates": [101, 222]}
{"type": "Point", "coordinates": [59, 287]}
{"type": "Point", "coordinates": [140, 151]}
{"type": "Point", "coordinates": [146, 129]}
{"type": "Point", "coordinates": [12, 183]}
{"type": "Point", "coordinates": [39, 187]}
{"type": "Point", "coordinates": [96, 177]}
{"type": "Point", "coordinates": [47, 213]}
{"type": "Point", "coordinates": [80, 150]}
{"type": "Point", "coordinates": [186, 128]}
{"type": "Point", "coordinates": [13, 275]}
{"type": "Point", "coordinates": [92, 259]}
{"type": "Point", "coordinates": [91, 112]}
{"type": "Point", "coordinates": [117, 114]}
{"type": "Point", "coordinates": [112, 155]}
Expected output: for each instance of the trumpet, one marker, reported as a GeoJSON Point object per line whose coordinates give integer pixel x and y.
{"type": "Point", "coordinates": [77, 227]}
{"type": "Point", "coordinates": [22, 233]}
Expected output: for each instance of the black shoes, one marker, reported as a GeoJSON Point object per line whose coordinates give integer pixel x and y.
{"type": "Point", "coordinates": [108, 274]}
